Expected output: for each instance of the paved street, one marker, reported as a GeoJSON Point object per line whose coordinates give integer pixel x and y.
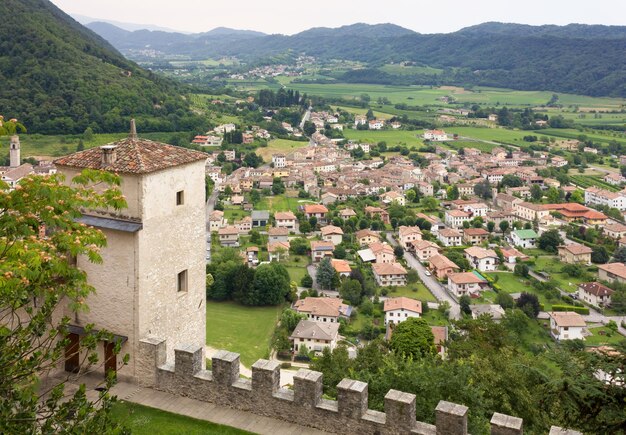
{"type": "Point", "coordinates": [430, 282]}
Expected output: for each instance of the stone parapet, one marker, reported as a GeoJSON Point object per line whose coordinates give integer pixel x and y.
{"type": "Point", "coordinates": [304, 404]}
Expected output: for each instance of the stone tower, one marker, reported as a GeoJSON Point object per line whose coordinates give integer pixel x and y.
{"type": "Point", "coordinates": [152, 280]}
{"type": "Point", "coordinates": [14, 152]}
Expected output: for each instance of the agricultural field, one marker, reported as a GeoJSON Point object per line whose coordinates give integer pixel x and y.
{"type": "Point", "coordinates": [241, 329]}
{"type": "Point", "coordinates": [363, 111]}
{"type": "Point", "coordinates": [276, 146]}
{"type": "Point", "coordinates": [143, 420]}
{"type": "Point", "coordinates": [585, 181]}
{"type": "Point", "coordinates": [402, 70]}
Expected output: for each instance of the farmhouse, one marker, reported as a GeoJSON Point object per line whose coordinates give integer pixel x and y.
{"type": "Point", "coordinates": [435, 135]}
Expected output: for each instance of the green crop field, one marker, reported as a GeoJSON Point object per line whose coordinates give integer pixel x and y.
{"type": "Point", "coordinates": [279, 146]}
{"type": "Point", "coordinates": [241, 329]}
{"type": "Point", "coordinates": [362, 111]}
{"type": "Point", "coordinates": [143, 420]}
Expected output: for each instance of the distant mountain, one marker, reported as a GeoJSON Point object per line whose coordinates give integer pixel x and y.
{"type": "Point", "coordinates": [358, 29]}
{"type": "Point", "coordinates": [57, 76]}
{"type": "Point", "coordinates": [584, 31]}
{"type": "Point", "coordinates": [225, 31]}
{"type": "Point", "coordinates": [581, 59]}
{"type": "Point", "coordinates": [131, 27]}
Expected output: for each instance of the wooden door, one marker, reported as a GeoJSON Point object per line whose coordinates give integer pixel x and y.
{"type": "Point", "coordinates": [110, 359]}
{"type": "Point", "coordinates": [72, 356]}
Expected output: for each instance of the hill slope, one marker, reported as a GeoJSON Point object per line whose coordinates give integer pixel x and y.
{"type": "Point", "coordinates": [576, 58]}
{"type": "Point", "coordinates": [57, 76]}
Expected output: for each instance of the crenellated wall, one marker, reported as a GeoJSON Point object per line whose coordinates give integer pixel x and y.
{"type": "Point", "coordinates": [304, 405]}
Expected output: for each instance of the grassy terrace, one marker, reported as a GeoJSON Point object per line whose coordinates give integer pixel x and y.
{"type": "Point", "coordinates": [241, 329]}
{"type": "Point", "coordinates": [392, 137]}
{"type": "Point", "coordinates": [281, 203]}
{"type": "Point", "coordinates": [143, 420]}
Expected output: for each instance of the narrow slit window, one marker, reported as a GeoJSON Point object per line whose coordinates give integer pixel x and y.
{"type": "Point", "coordinates": [181, 281]}
{"type": "Point", "coordinates": [180, 197]}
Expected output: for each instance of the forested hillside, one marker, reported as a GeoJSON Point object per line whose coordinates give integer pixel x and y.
{"type": "Point", "coordinates": [57, 76]}
{"type": "Point", "coordinates": [579, 59]}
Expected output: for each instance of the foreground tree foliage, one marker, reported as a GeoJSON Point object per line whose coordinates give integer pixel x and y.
{"type": "Point", "coordinates": [490, 368]}
{"type": "Point", "coordinates": [38, 234]}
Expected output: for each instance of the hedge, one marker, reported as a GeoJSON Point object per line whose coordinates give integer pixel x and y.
{"type": "Point", "coordinates": [579, 310]}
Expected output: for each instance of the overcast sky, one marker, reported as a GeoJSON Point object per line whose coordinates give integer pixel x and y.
{"type": "Point", "coordinates": [292, 16]}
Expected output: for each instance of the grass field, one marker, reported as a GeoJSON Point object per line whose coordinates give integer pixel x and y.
{"type": "Point", "coordinates": [602, 336]}
{"type": "Point", "coordinates": [280, 203]}
{"type": "Point", "coordinates": [241, 329]}
{"type": "Point", "coordinates": [413, 291]}
{"type": "Point", "coordinates": [392, 137]}
{"type": "Point", "coordinates": [421, 95]}
{"type": "Point", "coordinates": [276, 146]}
{"type": "Point", "coordinates": [143, 420]}
{"type": "Point", "coordinates": [409, 70]}
{"type": "Point", "coordinates": [361, 111]}
{"type": "Point", "coordinates": [553, 266]}
{"type": "Point", "coordinates": [489, 134]}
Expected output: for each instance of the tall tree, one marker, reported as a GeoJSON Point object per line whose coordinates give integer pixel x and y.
{"type": "Point", "coordinates": [413, 338]}
{"type": "Point", "coordinates": [325, 274]}
{"type": "Point", "coordinates": [37, 280]}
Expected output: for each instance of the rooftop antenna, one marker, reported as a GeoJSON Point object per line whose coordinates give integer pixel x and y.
{"type": "Point", "coordinates": [133, 130]}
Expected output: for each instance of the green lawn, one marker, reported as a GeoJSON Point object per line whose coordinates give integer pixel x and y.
{"type": "Point", "coordinates": [514, 284]}
{"type": "Point", "coordinates": [143, 420]}
{"type": "Point", "coordinates": [552, 265]}
{"type": "Point", "coordinates": [601, 337]}
{"type": "Point", "coordinates": [241, 329]}
{"type": "Point", "coordinates": [413, 291]}
{"type": "Point", "coordinates": [296, 266]}
{"type": "Point", "coordinates": [489, 134]}
{"type": "Point", "coordinates": [276, 146]}
{"type": "Point", "coordinates": [281, 203]}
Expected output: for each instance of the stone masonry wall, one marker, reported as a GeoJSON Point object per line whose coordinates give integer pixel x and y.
{"type": "Point", "coordinates": [304, 404]}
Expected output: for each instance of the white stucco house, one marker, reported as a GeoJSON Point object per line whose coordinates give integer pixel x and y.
{"type": "Point", "coordinates": [398, 310]}
{"type": "Point", "coordinates": [566, 325]}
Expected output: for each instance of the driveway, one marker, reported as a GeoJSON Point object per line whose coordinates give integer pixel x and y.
{"type": "Point", "coordinates": [429, 281]}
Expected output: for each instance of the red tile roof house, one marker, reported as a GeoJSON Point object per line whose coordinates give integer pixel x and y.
{"type": "Point", "coordinates": [475, 236]}
{"type": "Point", "coordinates": [342, 267]}
{"type": "Point", "coordinates": [333, 234]}
{"type": "Point", "coordinates": [465, 283]}
{"type": "Point", "coordinates": [374, 212]}
{"type": "Point", "coordinates": [595, 294]}
{"type": "Point", "coordinates": [442, 266]}
{"type": "Point", "coordinates": [323, 310]}
{"type": "Point", "coordinates": [285, 219]}
{"type": "Point", "coordinates": [423, 249]}
{"type": "Point", "coordinates": [400, 309]}
{"type": "Point", "coordinates": [408, 235]}
{"type": "Point", "coordinates": [389, 274]}
{"type": "Point", "coordinates": [318, 211]}
{"type": "Point", "coordinates": [321, 249]}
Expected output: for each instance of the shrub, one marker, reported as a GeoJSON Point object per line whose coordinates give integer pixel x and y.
{"type": "Point", "coordinates": [579, 310]}
{"type": "Point", "coordinates": [285, 365]}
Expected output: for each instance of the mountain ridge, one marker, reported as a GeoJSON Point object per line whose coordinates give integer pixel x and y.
{"type": "Point", "coordinates": [60, 77]}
